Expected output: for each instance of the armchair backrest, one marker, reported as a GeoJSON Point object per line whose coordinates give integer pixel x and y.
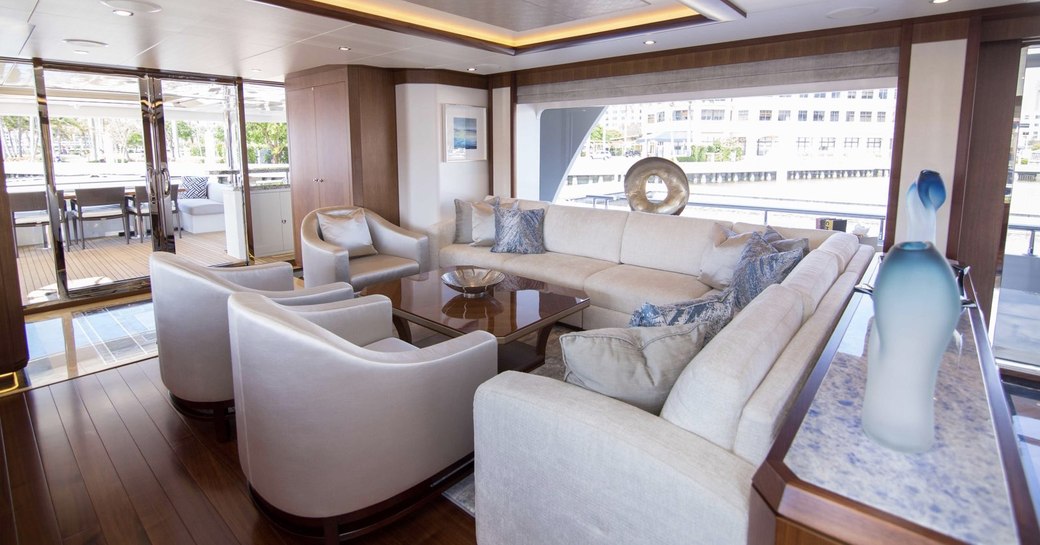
{"type": "Point", "coordinates": [28, 202]}
{"type": "Point", "coordinates": [191, 324]}
{"type": "Point", "coordinates": [100, 196]}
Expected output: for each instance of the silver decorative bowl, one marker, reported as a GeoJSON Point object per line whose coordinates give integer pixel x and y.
{"type": "Point", "coordinates": [471, 281]}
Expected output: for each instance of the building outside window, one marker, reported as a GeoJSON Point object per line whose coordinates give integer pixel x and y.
{"type": "Point", "coordinates": [803, 115]}
{"type": "Point", "coordinates": [834, 116]}
{"type": "Point", "coordinates": [882, 94]}
{"type": "Point", "coordinates": [682, 115]}
{"type": "Point", "coordinates": [650, 118]}
{"type": "Point", "coordinates": [866, 116]}
{"type": "Point", "coordinates": [866, 94]}
{"type": "Point", "coordinates": [765, 115]}
{"type": "Point", "coordinates": [804, 142]}
{"type": "Point", "coordinates": [713, 115]}
{"type": "Point", "coordinates": [850, 117]}
{"type": "Point", "coordinates": [851, 142]}
{"type": "Point", "coordinates": [835, 94]}
{"type": "Point", "coordinates": [783, 115]}
{"type": "Point", "coordinates": [764, 144]}
{"type": "Point", "coordinates": [819, 95]}
{"type": "Point", "coordinates": [873, 143]}
{"type": "Point", "coordinates": [881, 116]}
{"type": "Point", "coordinates": [827, 143]}
{"type": "Point", "coordinates": [851, 94]}
{"type": "Point", "coordinates": [660, 117]}
{"type": "Point", "coordinates": [742, 115]}
{"type": "Point", "coordinates": [817, 115]}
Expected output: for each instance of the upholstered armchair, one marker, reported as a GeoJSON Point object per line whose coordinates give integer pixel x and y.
{"type": "Point", "coordinates": [341, 425]}
{"type": "Point", "coordinates": [190, 305]}
{"type": "Point", "coordinates": [391, 251]}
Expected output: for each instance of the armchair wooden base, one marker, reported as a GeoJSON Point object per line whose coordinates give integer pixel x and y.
{"type": "Point", "coordinates": [219, 412]}
{"type": "Point", "coordinates": [349, 526]}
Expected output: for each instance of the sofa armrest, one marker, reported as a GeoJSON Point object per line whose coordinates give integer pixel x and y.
{"type": "Point", "coordinates": [557, 464]}
{"type": "Point", "coordinates": [441, 234]}
{"type": "Point", "coordinates": [323, 263]}
{"type": "Point", "coordinates": [267, 277]}
{"type": "Point", "coordinates": [398, 241]}
{"type": "Point", "coordinates": [361, 321]}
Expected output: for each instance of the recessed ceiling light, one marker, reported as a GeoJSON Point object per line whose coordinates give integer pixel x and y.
{"type": "Point", "coordinates": [84, 43]}
{"type": "Point", "coordinates": [939, 1]}
{"type": "Point", "coordinates": [81, 52]}
{"type": "Point", "coordinates": [344, 48]}
{"type": "Point", "coordinates": [650, 42]}
{"type": "Point", "coordinates": [131, 6]}
{"type": "Point", "coordinates": [852, 13]}
{"type": "Point", "coordinates": [123, 12]}
{"type": "Point", "coordinates": [472, 69]}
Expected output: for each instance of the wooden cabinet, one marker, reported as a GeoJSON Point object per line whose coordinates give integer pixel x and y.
{"type": "Point", "coordinates": [342, 141]}
{"type": "Point", "coordinates": [272, 222]}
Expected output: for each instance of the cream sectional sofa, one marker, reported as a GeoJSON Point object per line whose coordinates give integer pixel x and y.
{"type": "Point", "coordinates": [557, 464]}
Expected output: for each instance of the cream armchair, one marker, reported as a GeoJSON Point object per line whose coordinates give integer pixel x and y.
{"type": "Point", "coordinates": [400, 253]}
{"type": "Point", "coordinates": [342, 426]}
{"type": "Point", "coordinates": [190, 305]}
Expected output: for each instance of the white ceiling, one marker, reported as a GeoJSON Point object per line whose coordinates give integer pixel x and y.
{"type": "Point", "coordinates": [263, 42]}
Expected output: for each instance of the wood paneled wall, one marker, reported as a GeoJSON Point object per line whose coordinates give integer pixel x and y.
{"type": "Point", "coordinates": [14, 350]}
{"type": "Point", "coordinates": [373, 140]}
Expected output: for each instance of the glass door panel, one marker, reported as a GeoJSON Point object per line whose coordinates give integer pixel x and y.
{"type": "Point", "coordinates": [267, 144]}
{"type": "Point", "coordinates": [1016, 309]}
{"type": "Point", "coordinates": [204, 158]}
{"type": "Point", "coordinates": [26, 183]}
{"type": "Point", "coordinates": [100, 169]}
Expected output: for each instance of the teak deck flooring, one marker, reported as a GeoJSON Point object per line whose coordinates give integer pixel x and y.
{"type": "Point", "coordinates": [105, 459]}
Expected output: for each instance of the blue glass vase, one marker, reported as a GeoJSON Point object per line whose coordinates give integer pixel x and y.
{"type": "Point", "coordinates": [916, 308]}
{"type": "Point", "coordinates": [923, 200]}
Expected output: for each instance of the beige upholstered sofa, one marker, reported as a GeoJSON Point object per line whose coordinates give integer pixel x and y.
{"type": "Point", "coordinates": [559, 464]}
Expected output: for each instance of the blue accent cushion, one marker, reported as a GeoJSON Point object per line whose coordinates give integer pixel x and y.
{"type": "Point", "coordinates": [760, 266]}
{"type": "Point", "coordinates": [715, 309]}
{"type": "Point", "coordinates": [194, 187]}
{"type": "Point", "coordinates": [519, 231]}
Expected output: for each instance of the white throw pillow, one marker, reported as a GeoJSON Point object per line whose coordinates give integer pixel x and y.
{"type": "Point", "coordinates": [721, 261]}
{"type": "Point", "coordinates": [636, 365]}
{"type": "Point", "coordinates": [347, 229]}
{"type": "Point", "coordinates": [483, 224]}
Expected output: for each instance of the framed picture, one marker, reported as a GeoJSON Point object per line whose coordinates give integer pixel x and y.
{"type": "Point", "coordinates": [464, 133]}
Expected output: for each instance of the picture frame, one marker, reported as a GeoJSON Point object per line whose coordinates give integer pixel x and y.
{"type": "Point", "coordinates": [465, 133]}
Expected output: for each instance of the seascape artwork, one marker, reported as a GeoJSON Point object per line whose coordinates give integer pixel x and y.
{"type": "Point", "coordinates": [465, 133]}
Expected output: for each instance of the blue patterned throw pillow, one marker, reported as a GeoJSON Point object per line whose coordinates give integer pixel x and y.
{"type": "Point", "coordinates": [716, 310]}
{"type": "Point", "coordinates": [194, 187]}
{"type": "Point", "coordinates": [757, 271]}
{"type": "Point", "coordinates": [519, 231]}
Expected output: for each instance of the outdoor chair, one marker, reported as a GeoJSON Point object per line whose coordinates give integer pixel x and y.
{"type": "Point", "coordinates": [97, 204]}
{"type": "Point", "coordinates": [29, 209]}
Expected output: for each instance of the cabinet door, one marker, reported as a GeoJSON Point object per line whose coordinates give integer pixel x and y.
{"type": "Point", "coordinates": [285, 202]}
{"type": "Point", "coordinates": [303, 155]}
{"type": "Point", "coordinates": [267, 222]}
{"type": "Point", "coordinates": [333, 144]}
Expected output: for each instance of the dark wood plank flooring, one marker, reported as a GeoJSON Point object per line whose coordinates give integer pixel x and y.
{"type": "Point", "coordinates": [105, 459]}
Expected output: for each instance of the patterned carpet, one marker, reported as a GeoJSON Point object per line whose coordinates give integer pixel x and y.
{"type": "Point", "coordinates": [462, 494]}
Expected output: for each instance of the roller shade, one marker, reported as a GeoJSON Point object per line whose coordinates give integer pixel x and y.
{"type": "Point", "coordinates": [832, 67]}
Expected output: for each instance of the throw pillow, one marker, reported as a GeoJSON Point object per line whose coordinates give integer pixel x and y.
{"type": "Point", "coordinates": [519, 231]}
{"type": "Point", "coordinates": [758, 271]}
{"type": "Point", "coordinates": [483, 227]}
{"type": "Point", "coordinates": [720, 262]}
{"type": "Point", "coordinates": [463, 222]}
{"type": "Point", "coordinates": [634, 365]}
{"type": "Point", "coordinates": [714, 310]}
{"type": "Point", "coordinates": [347, 229]}
{"type": "Point", "coordinates": [194, 187]}
{"type": "Point", "coordinates": [771, 235]}
{"type": "Point", "coordinates": [789, 244]}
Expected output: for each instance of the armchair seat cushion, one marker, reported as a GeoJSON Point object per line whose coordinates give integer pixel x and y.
{"type": "Point", "coordinates": [376, 268]}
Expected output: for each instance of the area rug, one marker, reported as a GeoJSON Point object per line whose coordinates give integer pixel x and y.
{"type": "Point", "coordinates": [462, 494]}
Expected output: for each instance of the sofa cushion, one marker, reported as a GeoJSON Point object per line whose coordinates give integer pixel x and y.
{"type": "Point", "coordinates": [625, 288]}
{"type": "Point", "coordinates": [711, 392]}
{"type": "Point", "coordinates": [812, 278]}
{"type": "Point", "coordinates": [348, 229]}
{"type": "Point", "coordinates": [815, 236]}
{"type": "Point", "coordinates": [200, 207]}
{"type": "Point", "coordinates": [454, 255]}
{"type": "Point", "coordinates": [194, 187]}
{"type": "Point", "coordinates": [636, 365]}
{"type": "Point", "coordinates": [565, 270]}
{"type": "Point", "coordinates": [670, 243]}
{"type": "Point", "coordinates": [720, 262]}
{"type": "Point", "coordinates": [766, 409]}
{"type": "Point", "coordinates": [518, 231]}
{"type": "Point", "coordinates": [843, 246]}
{"type": "Point", "coordinates": [585, 232]}
{"type": "Point", "coordinates": [714, 310]}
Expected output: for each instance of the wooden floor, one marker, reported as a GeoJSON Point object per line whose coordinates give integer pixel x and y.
{"type": "Point", "coordinates": [114, 259]}
{"type": "Point", "coordinates": [105, 459]}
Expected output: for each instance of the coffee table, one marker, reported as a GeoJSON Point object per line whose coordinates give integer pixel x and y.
{"type": "Point", "coordinates": [516, 308]}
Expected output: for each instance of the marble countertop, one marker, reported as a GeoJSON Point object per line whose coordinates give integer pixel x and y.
{"type": "Point", "coordinates": [958, 488]}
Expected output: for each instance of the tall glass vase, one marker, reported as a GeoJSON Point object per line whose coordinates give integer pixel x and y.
{"type": "Point", "coordinates": [916, 308]}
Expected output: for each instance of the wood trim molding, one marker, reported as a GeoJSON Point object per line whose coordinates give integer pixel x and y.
{"type": "Point", "coordinates": [14, 349]}
{"type": "Point", "coordinates": [441, 77]}
{"type": "Point", "coordinates": [943, 30]}
{"type": "Point", "coordinates": [960, 170]}
{"type": "Point", "coordinates": [489, 130]}
{"type": "Point", "coordinates": [902, 92]}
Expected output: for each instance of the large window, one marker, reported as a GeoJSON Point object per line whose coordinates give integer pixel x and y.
{"type": "Point", "coordinates": [739, 171]}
